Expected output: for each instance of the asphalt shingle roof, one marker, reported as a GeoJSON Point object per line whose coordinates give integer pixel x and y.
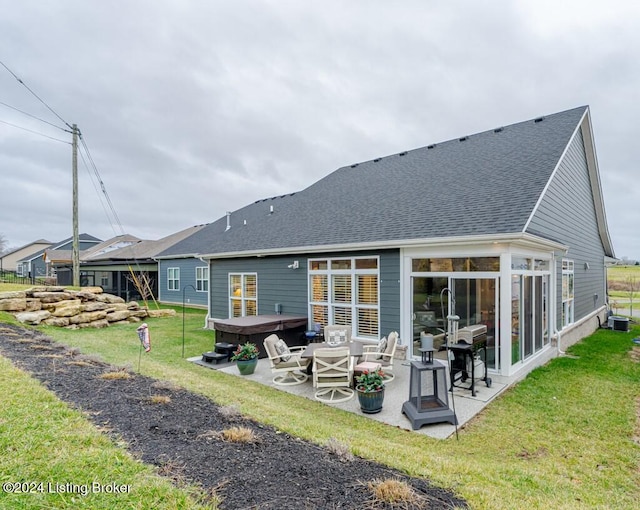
{"type": "Point", "coordinates": [486, 183]}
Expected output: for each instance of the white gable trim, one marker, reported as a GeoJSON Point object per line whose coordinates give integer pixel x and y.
{"type": "Point", "coordinates": [594, 179]}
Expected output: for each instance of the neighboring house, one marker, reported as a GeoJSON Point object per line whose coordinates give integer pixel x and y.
{"type": "Point", "coordinates": [184, 278]}
{"type": "Point", "coordinates": [35, 264]}
{"type": "Point", "coordinates": [124, 264]}
{"type": "Point", "coordinates": [504, 228]}
{"type": "Point", "coordinates": [61, 261]}
{"type": "Point", "coordinates": [9, 260]}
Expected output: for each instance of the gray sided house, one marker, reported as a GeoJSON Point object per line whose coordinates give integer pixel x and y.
{"type": "Point", "coordinates": [183, 280]}
{"type": "Point", "coordinates": [127, 266]}
{"type": "Point", "coordinates": [36, 265]}
{"type": "Point", "coordinates": [505, 229]}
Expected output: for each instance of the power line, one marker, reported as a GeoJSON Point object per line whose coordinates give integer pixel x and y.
{"type": "Point", "coordinates": [35, 95]}
{"type": "Point", "coordinates": [34, 132]}
{"type": "Point", "coordinates": [34, 117]}
{"type": "Point", "coordinates": [99, 180]}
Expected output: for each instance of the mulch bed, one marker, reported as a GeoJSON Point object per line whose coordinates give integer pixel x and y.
{"type": "Point", "coordinates": [182, 437]}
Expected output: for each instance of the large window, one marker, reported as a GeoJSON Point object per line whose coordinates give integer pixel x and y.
{"type": "Point", "coordinates": [202, 279]}
{"type": "Point", "coordinates": [243, 294]}
{"type": "Point", "coordinates": [173, 278]}
{"type": "Point", "coordinates": [567, 292]}
{"type": "Point", "coordinates": [529, 307]}
{"type": "Point", "coordinates": [345, 291]}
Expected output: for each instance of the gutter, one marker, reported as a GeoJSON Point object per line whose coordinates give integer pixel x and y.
{"type": "Point", "coordinates": [520, 237]}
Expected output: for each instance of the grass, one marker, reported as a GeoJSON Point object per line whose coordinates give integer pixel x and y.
{"type": "Point", "coordinates": [564, 438]}
{"type": "Point", "coordinates": [44, 443]}
{"type": "Point", "coordinates": [620, 280]}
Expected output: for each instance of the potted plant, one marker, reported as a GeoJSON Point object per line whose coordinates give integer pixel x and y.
{"type": "Point", "coordinates": [246, 358]}
{"type": "Point", "coordinates": [370, 390]}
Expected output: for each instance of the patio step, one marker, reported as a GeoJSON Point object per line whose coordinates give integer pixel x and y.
{"type": "Point", "coordinates": [226, 349]}
{"type": "Point", "coordinates": [214, 357]}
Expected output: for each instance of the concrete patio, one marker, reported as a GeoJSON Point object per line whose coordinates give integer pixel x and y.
{"type": "Point", "coordinates": [396, 393]}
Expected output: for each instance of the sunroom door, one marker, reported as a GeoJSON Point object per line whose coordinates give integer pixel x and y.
{"type": "Point", "coordinates": [429, 309]}
{"type": "Point", "coordinates": [476, 302]}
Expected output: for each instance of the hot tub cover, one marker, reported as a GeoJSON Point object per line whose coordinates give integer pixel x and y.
{"type": "Point", "coordinates": [259, 324]}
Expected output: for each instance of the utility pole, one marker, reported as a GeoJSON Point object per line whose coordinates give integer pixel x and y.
{"type": "Point", "coordinates": [75, 256]}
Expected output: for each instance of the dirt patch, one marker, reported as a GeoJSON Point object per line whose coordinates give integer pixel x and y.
{"type": "Point", "coordinates": [183, 436]}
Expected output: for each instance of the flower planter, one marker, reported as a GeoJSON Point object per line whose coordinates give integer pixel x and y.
{"type": "Point", "coordinates": [371, 401]}
{"type": "Point", "coordinates": [247, 366]}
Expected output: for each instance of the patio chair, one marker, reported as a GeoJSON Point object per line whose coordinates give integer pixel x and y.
{"type": "Point", "coordinates": [383, 353]}
{"type": "Point", "coordinates": [337, 334]}
{"type": "Point", "coordinates": [286, 362]}
{"type": "Point", "coordinates": [333, 374]}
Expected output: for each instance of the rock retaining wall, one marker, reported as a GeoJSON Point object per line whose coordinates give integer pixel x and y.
{"type": "Point", "coordinates": [73, 309]}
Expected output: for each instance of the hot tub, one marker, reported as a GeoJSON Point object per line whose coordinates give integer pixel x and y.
{"type": "Point", "coordinates": [256, 328]}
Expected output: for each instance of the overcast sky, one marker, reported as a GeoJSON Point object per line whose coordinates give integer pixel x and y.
{"type": "Point", "coordinates": [193, 108]}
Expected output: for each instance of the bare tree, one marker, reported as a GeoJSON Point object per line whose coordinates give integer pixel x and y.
{"type": "Point", "coordinates": [3, 243]}
{"type": "Point", "coordinates": [632, 287]}
{"type": "Point", "coordinates": [143, 283]}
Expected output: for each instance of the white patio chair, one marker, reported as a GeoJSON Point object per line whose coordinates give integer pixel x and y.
{"type": "Point", "coordinates": [337, 334]}
{"type": "Point", "coordinates": [333, 374]}
{"type": "Point", "coordinates": [383, 353]}
{"type": "Point", "coordinates": [286, 362]}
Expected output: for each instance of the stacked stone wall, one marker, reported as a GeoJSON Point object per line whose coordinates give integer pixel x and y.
{"type": "Point", "coordinates": [62, 307]}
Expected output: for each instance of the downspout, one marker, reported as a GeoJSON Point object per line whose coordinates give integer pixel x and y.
{"type": "Point", "coordinates": [558, 337]}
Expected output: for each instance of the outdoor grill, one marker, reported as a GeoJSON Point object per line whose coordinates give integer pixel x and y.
{"type": "Point", "coordinates": [468, 355]}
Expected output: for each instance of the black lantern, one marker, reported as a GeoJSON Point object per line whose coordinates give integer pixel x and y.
{"type": "Point", "coordinates": [428, 400]}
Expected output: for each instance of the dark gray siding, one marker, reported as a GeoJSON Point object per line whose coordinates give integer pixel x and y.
{"type": "Point", "coordinates": [389, 292]}
{"type": "Point", "coordinates": [289, 287]}
{"type": "Point", "coordinates": [276, 284]}
{"type": "Point", "coordinates": [187, 277]}
{"type": "Point", "coordinates": [567, 214]}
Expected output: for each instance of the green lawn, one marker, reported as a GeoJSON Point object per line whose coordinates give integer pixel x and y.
{"type": "Point", "coordinates": [48, 447]}
{"type": "Point", "coordinates": [563, 438]}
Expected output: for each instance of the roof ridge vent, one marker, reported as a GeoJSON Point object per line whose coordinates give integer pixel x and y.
{"type": "Point", "coordinates": [463, 139]}
{"type": "Point", "coordinates": [432, 146]}
{"type": "Point", "coordinates": [354, 165]}
{"type": "Point", "coordinates": [498, 130]}
{"type": "Point", "coordinates": [376, 160]}
{"type": "Point", "coordinates": [539, 119]}
{"type": "Point", "coordinates": [403, 153]}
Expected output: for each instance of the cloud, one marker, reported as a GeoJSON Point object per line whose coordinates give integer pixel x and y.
{"type": "Point", "coordinates": [190, 109]}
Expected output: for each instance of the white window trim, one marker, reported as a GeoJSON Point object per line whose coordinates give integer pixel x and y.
{"type": "Point", "coordinates": [353, 306]}
{"type": "Point", "coordinates": [176, 271]}
{"type": "Point", "coordinates": [242, 297]}
{"type": "Point", "coordinates": [202, 279]}
{"type": "Point", "coordinates": [568, 304]}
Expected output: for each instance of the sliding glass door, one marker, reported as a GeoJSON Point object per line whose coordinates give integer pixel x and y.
{"type": "Point", "coordinates": [474, 300]}
{"type": "Point", "coordinates": [529, 315]}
